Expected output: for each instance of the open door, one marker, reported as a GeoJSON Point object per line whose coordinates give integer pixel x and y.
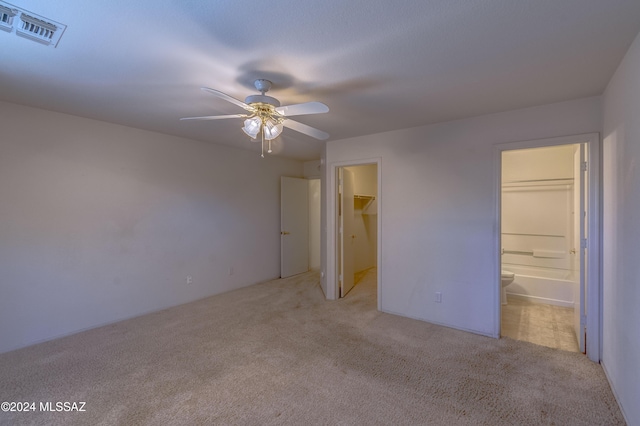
{"type": "Point", "coordinates": [346, 233]}
{"type": "Point", "coordinates": [580, 225]}
{"type": "Point", "coordinates": [294, 226]}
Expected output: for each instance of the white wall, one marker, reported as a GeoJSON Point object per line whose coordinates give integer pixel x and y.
{"type": "Point", "coordinates": [101, 222]}
{"type": "Point", "coordinates": [439, 208]}
{"type": "Point", "coordinates": [314, 223]}
{"type": "Point", "coordinates": [313, 172]}
{"type": "Point", "coordinates": [312, 169]}
{"type": "Point", "coordinates": [324, 212]}
{"type": "Point", "coordinates": [621, 233]}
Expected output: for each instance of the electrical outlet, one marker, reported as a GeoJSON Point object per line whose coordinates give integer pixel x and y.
{"type": "Point", "coordinates": [438, 297]}
{"type": "Point", "coordinates": [189, 279]}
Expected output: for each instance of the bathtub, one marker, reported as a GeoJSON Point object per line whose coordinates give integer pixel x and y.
{"type": "Point", "coordinates": [543, 285]}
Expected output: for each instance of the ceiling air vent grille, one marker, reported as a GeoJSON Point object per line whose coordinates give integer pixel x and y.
{"type": "Point", "coordinates": [6, 18]}
{"type": "Point", "coordinates": [36, 29]}
{"type": "Point", "coordinates": [30, 26]}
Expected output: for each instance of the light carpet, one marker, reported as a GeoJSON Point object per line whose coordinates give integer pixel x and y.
{"type": "Point", "coordinates": [277, 353]}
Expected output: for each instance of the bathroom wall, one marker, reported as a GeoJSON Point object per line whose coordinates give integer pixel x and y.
{"type": "Point", "coordinates": [537, 223]}
{"type": "Point", "coordinates": [365, 217]}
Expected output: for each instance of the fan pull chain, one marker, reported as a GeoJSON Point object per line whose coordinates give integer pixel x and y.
{"type": "Point", "coordinates": [262, 131]}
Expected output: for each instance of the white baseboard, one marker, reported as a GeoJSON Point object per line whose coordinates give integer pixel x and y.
{"type": "Point", "coordinates": [613, 390]}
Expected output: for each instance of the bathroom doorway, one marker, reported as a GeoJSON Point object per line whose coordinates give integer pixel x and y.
{"type": "Point", "coordinates": [357, 229]}
{"type": "Point", "coordinates": [548, 239]}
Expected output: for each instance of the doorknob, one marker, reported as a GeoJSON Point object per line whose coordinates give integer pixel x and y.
{"type": "Point", "coordinates": [353, 236]}
{"type": "Point", "coordinates": [284, 233]}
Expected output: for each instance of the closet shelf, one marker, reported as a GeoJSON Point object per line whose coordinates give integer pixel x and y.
{"type": "Point", "coordinates": [364, 197]}
{"type": "Point", "coordinates": [367, 203]}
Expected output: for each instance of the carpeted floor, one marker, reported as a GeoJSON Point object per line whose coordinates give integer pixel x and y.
{"type": "Point", "coordinates": [278, 353]}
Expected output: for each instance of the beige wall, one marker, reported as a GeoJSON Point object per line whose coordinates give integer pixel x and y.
{"type": "Point", "coordinates": [538, 163]}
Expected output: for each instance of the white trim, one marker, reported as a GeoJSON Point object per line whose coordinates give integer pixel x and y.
{"type": "Point", "coordinates": [615, 393]}
{"type": "Point", "coordinates": [594, 248]}
{"type": "Point", "coordinates": [332, 273]}
{"type": "Point", "coordinates": [442, 324]}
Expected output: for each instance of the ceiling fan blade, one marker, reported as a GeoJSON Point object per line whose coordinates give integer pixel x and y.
{"type": "Point", "coordinates": [216, 117]}
{"type": "Point", "coordinates": [301, 109]}
{"type": "Point", "coordinates": [307, 130]}
{"type": "Point", "coordinates": [228, 98]}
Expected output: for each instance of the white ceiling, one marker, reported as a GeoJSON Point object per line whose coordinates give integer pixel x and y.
{"type": "Point", "coordinates": [379, 65]}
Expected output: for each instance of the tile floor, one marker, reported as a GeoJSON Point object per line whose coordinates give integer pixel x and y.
{"type": "Point", "coordinates": [545, 325]}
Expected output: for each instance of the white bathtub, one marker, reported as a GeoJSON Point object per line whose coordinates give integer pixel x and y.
{"type": "Point", "coordinates": [542, 285]}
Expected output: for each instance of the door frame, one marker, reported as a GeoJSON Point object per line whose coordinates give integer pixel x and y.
{"type": "Point", "coordinates": [344, 236]}
{"type": "Point", "coordinates": [332, 229]}
{"type": "Point", "coordinates": [594, 231]}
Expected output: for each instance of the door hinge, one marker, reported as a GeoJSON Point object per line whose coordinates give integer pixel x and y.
{"type": "Point", "coordinates": [583, 243]}
{"type": "Point", "coordinates": [340, 278]}
{"type": "Point", "coordinates": [583, 166]}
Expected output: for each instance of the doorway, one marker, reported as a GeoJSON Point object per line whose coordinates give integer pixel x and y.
{"type": "Point", "coordinates": [356, 238]}
{"type": "Point", "coordinates": [299, 225]}
{"type": "Point", "coordinates": [549, 243]}
{"type": "Point", "coordinates": [294, 226]}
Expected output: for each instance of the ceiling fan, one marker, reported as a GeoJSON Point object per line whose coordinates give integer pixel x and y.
{"type": "Point", "coordinates": [266, 116]}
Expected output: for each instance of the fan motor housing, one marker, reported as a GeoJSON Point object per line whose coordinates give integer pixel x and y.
{"type": "Point", "coordinates": [264, 99]}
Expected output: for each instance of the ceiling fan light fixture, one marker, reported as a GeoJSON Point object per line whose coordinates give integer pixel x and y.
{"type": "Point", "coordinates": [252, 127]}
{"type": "Point", "coordinates": [272, 129]}
{"type": "Point", "coordinates": [265, 115]}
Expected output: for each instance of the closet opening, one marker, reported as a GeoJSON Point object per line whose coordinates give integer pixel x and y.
{"type": "Point", "coordinates": [356, 219]}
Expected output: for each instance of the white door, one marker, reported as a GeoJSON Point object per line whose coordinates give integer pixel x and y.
{"type": "Point", "coordinates": [294, 226]}
{"type": "Point", "coordinates": [580, 226]}
{"type": "Point", "coordinates": [346, 233]}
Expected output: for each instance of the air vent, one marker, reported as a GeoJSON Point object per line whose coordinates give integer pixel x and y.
{"type": "Point", "coordinates": [6, 18]}
{"type": "Point", "coordinates": [36, 29]}
{"type": "Point", "coordinates": [29, 25]}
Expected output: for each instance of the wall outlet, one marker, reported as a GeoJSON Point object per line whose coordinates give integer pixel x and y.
{"type": "Point", "coordinates": [438, 297]}
{"type": "Point", "coordinates": [189, 279]}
